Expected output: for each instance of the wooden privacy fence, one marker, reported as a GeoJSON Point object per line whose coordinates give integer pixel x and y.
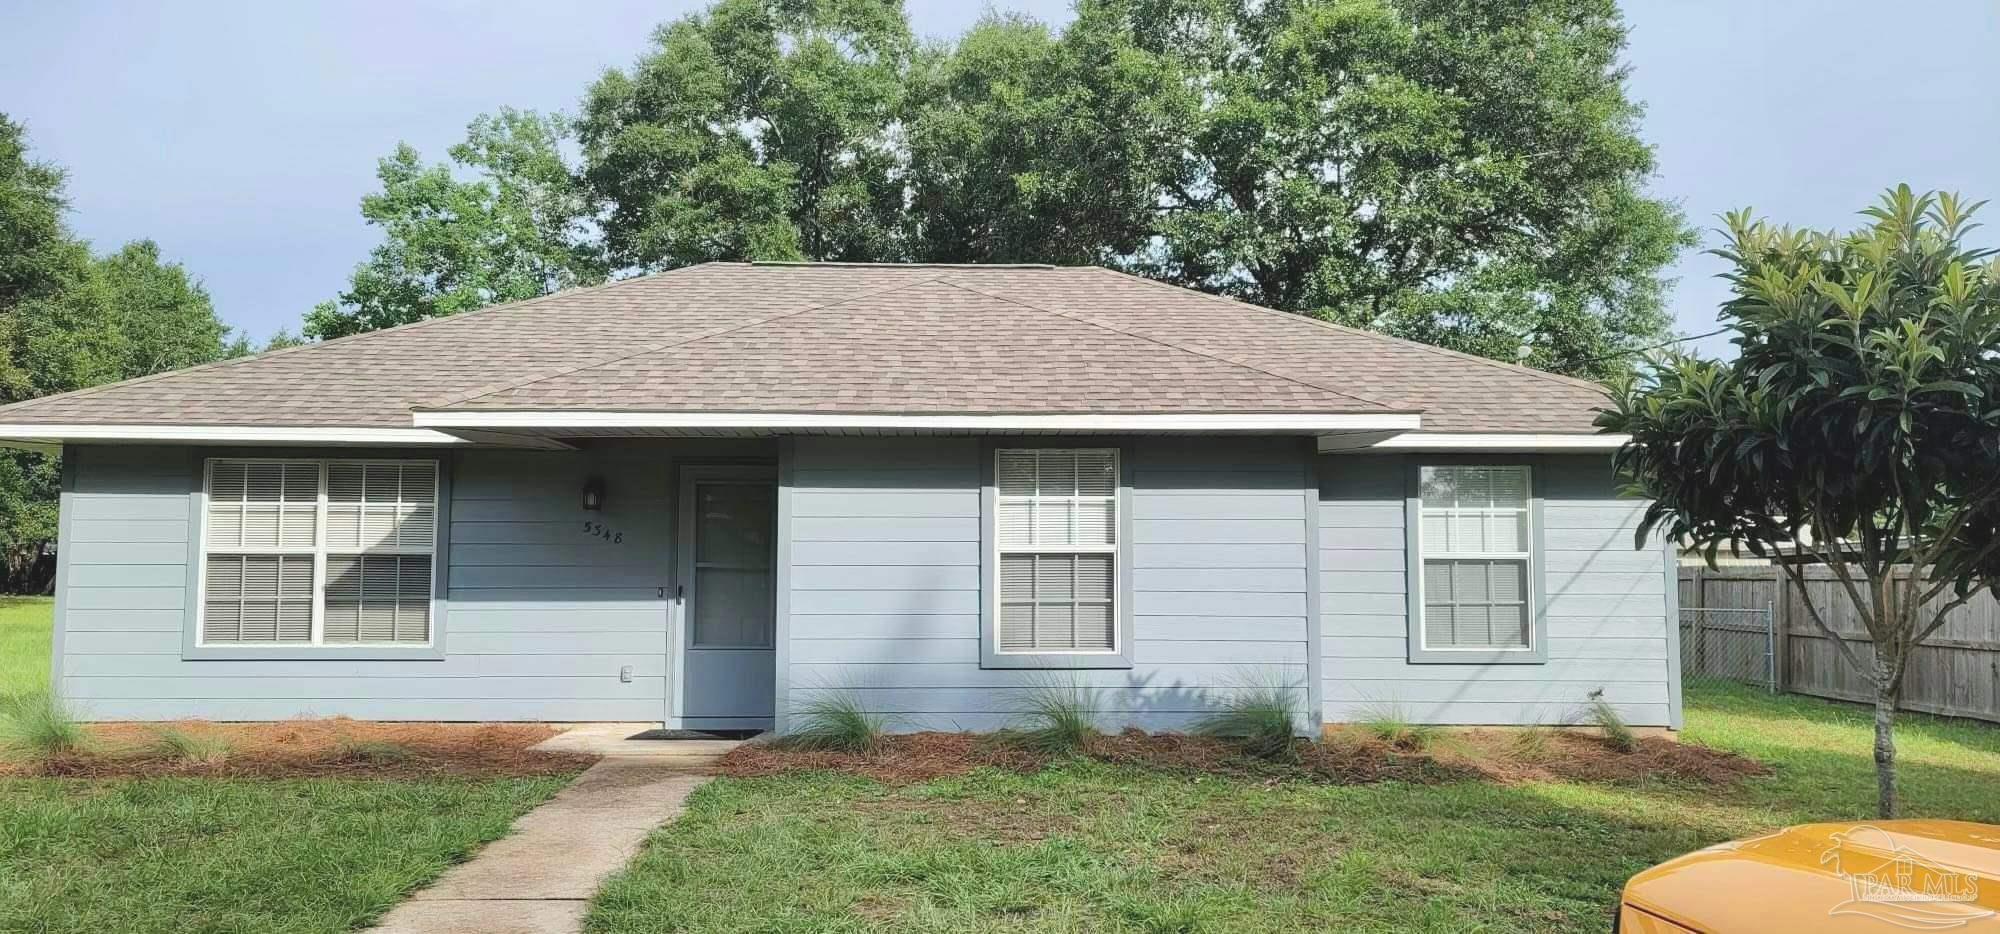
{"type": "Point", "coordinates": [1956, 672]}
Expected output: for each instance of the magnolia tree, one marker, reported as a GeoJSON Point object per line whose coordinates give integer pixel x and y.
{"type": "Point", "coordinates": [1859, 424]}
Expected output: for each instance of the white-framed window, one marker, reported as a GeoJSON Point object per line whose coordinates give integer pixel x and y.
{"type": "Point", "coordinates": [1475, 545]}
{"type": "Point", "coordinates": [1057, 530]}
{"type": "Point", "coordinates": [317, 551]}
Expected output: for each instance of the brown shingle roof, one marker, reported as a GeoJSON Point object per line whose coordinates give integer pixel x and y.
{"type": "Point", "coordinates": [731, 337]}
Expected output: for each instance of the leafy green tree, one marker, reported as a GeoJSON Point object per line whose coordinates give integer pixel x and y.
{"type": "Point", "coordinates": [38, 258]}
{"type": "Point", "coordinates": [1028, 147]}
{"type": "Point", "coordinates": [1462, 172]}
{"type": "Point", "coordinates": [1857, 424]}
{"type": "Point", "coordinates": [163, 319]}
{"type": "Point", "coordinates": [760, 129]}
{"type": "Point", "coordinates": [69, 321]}
{"type": "Point", "coordinates": [520, 228]}
{"type": "Point", "coordinates": [241, 345]}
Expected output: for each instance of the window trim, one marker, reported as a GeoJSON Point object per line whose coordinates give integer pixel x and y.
{"type": "Point", "coordinates": [990, 656]}
{"type": "Point", "coordinates": [1537, 650]}
{"type": "Point", "coordinates": [194, 647]}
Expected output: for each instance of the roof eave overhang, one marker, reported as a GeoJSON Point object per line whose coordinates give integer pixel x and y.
{"type": "Point", "coordinates": [1422, 442]}
{"type": "Point", "coordinates": [50, 437]}
{"type": "Point", "coordinates": [556, 422]}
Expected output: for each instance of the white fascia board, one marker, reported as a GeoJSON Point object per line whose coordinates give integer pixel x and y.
{"type": "Point", "coordinates": [51, 434]}
{"type": "Point", "coordinates": [1448, 441]}
{"type": "Point", "coordinates": [1278, 422]}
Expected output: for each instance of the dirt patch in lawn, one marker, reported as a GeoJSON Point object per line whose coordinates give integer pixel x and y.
{"type": "Point", "coordinates": [1347, 759]}
{"type": "Point", "coordinates": [920, 757]}
{"type": "Point", "coordinates": [319, 748]}
{"type": "Point", "coordinates": [897, 760]}
{"type": "Point", "coordinates": [1571, 756]}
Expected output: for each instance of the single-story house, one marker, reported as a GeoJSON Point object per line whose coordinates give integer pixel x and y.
{"type": "Point", "coordinates": [706, 496]}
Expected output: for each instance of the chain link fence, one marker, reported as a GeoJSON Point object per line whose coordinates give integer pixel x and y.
{"type": "Point", "coordinates": [1728, 646]}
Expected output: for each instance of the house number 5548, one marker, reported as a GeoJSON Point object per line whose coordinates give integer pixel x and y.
{"type": "Point", "coordinates": [597, 530]}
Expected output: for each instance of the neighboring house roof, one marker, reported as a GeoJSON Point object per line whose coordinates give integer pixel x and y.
{"type": "Point", "coordinates": [835, 338]}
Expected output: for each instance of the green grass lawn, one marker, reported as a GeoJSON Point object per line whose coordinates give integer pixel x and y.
{"type": "Point", "coordinates": [25, 627]}
{"type": "Point", "coordinates": [136, 856]}
{"type": "Point", "coordinates": [210, 855]}
{"type": "Point", "coordinates": [1093, 847]}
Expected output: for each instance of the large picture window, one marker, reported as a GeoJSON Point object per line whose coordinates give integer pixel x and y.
{"type": "Point", "coordinates": [1475, 541]}
{"type": "Point", "coordinates": [318, 552]}
{"type": "Point", "coordinates": [1056, 525]}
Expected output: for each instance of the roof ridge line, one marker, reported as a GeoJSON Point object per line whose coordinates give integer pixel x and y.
{"type": "Point", "coordinates": [1362, 332]}
{"type": "Point", "coordinates": [348, 338]}
{"type": "Point", "coordinates": [491, 389]}
{"type": "Point", "coordinates": [1093, 322]}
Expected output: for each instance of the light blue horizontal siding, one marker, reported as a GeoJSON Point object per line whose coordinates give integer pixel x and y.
{"type": "Point", "coordinates": [880, 529]}
{"type": "Point", "coordinates": [1487, 713]}
{"type": "Point", "coordinates": [76, 621]}
{"type": "Point", "coordinates": [455, 666]}
{"type": "Point", "coordinates": [957, 650]}
{"type": "Point", "coordinates": [1177, 556]}
{"type": "Point", "coordinates": [557, 709]}
{"type": "Point", "coordinates": [417, 689]}
{"type": "Point", "coordinates": [886, 504]}
{"type": "Point", "coordinates": [540, 616]}
{"type": "Point", "coordinates": [884, 588]}
{"type": "Point", "coordinates": [115, 576]}
{"type": "Point", "coordinates": [1016, 701]}
{"type": "Point", "coordinates": [1202, 629]}
{"type": "Point", "coordinates": [1542, 694]}
{"type": "Point", "coordinates": [885, 577]}
{"type": "Point", "coordinates": [136, 531]}
{"type": "Point", "coordinates": [1210, 531]}
{"type": "Point", "coordinates": [885, 626]}
{"type": "Point", "coordinates": [1605, 605]}
{"type": "Point", "coordinates": [885, 602]}
{"type": "Point", "coordinates": [862, 676]}
{"type": "Point", "coordinates": [85, 554]}
{"type": "Point", "coordinates": [900, 554]}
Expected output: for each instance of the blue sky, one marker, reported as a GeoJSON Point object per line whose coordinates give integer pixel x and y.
{"type": "Point", "coordinates": [241, 136]}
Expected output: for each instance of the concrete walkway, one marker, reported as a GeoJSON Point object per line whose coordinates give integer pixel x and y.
{"type": "Point", "coordinates": [539, 878]}
{"type": "Point", "coordinates": [613, 740]}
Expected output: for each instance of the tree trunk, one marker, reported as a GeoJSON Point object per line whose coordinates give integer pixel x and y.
{"type": "Point", "coordinates": [1885, 744]}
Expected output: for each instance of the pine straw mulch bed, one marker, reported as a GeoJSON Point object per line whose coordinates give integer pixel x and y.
{"type": "Point", "coordinates": [1350, 757]}
{"type": "Point", "coordinates": [317, 748]}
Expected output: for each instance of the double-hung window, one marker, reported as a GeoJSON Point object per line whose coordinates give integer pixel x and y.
{"type": "Point", "coordinates": [318, 552]}
{"type": "Point", "coordinates": [1056, 524]}
{"type": "Point", "coordinates": [1475, 570]}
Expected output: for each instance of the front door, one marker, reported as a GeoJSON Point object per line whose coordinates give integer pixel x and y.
{"type": "Point", "coordinates": [728, 520]}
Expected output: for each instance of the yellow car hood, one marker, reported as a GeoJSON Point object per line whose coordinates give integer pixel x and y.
{"type": "Point", "coordinates": [1833, 878]}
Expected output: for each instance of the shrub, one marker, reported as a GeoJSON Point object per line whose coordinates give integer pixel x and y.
{"type": "Point", "coordinates": [1390, 726]}
{"type": "Point", "coordinates": [1616, 733]}
{"type": "Point", "coordinates": [835, 722]}
{"type": "Point", "coordinates": [190, 748]}
{"type": "Point", "coordinates": [1534, 743]}
{"type": "Point", "coordinates": [1059, 718]}
{"type": "Point", "coordinates": [40, 726]}
{"type": "Point", "coordinates": [1260, 719]}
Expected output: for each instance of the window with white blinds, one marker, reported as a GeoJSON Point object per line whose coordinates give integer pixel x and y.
{"type": "Point", "coordinates": [1057, 529]}
{"type": "Point", "coordinates": [318, 552]}
{"type": "Point", "coordinates": [1476, 548]}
